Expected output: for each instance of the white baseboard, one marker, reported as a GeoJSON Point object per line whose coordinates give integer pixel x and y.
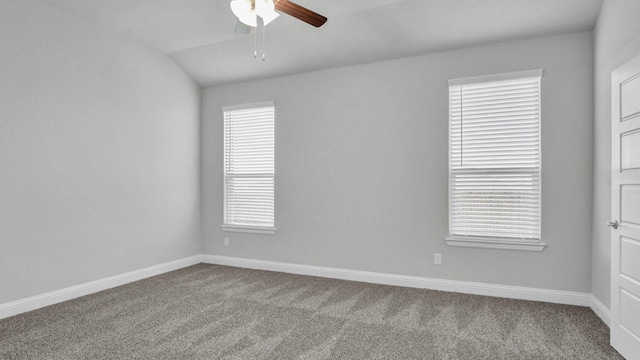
{"type": "Point", "coordinates": [57, 296]}
{"type": "Point", "coordinates": [513, 292]}
{"type": "Point", "coordinates": [602, 311]}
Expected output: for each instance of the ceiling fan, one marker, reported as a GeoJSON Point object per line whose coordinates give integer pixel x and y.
{"type": "Point", "coordinates": [248, 12]}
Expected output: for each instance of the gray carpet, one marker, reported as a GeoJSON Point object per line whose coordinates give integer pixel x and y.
{"type": "Point", "coordinates": [218, 312]}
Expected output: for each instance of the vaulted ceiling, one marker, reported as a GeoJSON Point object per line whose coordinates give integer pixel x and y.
{"type": "Point", "coordinates": [199, 34]}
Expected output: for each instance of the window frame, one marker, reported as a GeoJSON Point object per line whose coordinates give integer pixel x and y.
{"type": "Point", "coordinates": [236, 227]}
{"type": "Point", "coordinates": [495, 242]}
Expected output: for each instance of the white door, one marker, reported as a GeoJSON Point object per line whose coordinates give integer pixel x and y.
{"type": "Point", "coordinates": [625, 210]}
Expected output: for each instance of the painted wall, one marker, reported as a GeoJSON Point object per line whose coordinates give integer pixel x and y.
{"type": "Point", "coordinates": [99, 154]}
{"type": "Point", "coordinates": [617, 40]}
{"type": "Point", "coordinates": [361, 166]}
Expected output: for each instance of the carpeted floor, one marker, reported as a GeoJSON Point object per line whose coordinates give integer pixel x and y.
{"type": "Point", "coordinates": [218, 312]}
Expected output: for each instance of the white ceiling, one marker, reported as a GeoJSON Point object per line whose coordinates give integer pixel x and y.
{"type": "Point", "coordinates": [199, 34]}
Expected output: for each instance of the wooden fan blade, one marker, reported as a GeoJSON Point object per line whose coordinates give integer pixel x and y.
{"type": "Point", "coordinates": [300, 12]}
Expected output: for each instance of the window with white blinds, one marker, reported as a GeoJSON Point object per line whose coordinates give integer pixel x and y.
{"type": "Point", "coordinates": [249, 168]}
{"type": "Point", "coordinates": [495, 161]}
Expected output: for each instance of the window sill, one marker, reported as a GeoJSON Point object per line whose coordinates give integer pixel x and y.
{"type": "Point", "coordinates": [249, 229]}
{"type": "Point", "coordinates": [488, 243]}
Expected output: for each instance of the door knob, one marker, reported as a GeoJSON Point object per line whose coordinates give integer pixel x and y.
{"type": "Point", "coordinates": [613, 224]}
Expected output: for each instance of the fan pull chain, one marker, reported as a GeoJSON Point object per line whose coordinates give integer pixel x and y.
{"type": "Point", "coordinates": [255, 44]}
{"type": "Point", "coordinates": [264, 44]}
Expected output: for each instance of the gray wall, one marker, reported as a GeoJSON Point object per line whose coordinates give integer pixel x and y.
{"type": "Point", "coordinates": [617, 39]}
{"type": "Point", "coordinates": [99, 154]}
{"type": "Point", "coordinates": [361, 166]}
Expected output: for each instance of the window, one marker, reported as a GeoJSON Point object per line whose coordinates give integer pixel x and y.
{"type": "Point", "coordinates": [495, 161]}
{"type": "Point", "coordinates": [249, 171]}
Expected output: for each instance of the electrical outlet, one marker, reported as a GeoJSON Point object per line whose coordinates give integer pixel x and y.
{"type": "Point", "coordinates": [437, 259]}
{"type": "Point", "coordinates": [226, 241]}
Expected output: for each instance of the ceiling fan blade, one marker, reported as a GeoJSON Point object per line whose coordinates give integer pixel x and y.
{"type": "Point", "coordinates": [242, 28]}
{"type": "Point", "coordinates": [300, 12]}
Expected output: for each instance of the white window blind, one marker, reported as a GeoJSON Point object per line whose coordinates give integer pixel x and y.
{"type": "Point", "coordinates": [495, 159]}
{"type": "Point", "coordinates": [249, 169]}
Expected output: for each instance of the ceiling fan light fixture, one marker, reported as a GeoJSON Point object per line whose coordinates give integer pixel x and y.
{"type": "Point", "coordinates": [244, 11]}
{"type": "Point", "coordinates": [269, 16]}
{"type": "Point", "coordinates": [266, 10]}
